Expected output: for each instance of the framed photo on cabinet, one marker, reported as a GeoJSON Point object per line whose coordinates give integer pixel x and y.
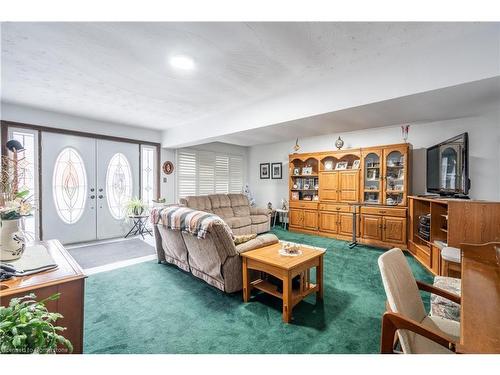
{"type": "Point", "coordinates": [341, 165]}
{"type": "Point", "coordinates": [355, 164]}
{"type": "Point", "coordinates": [276, 171]}
{"type": "Point", "coordinates": [264, 170]}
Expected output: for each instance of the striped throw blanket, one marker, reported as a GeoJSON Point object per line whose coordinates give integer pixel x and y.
{"type": "Point", "coordinates": [197, 223]}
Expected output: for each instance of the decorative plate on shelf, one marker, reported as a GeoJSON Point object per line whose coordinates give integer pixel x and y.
{"type": "Point", "coordinates": [328, 165]}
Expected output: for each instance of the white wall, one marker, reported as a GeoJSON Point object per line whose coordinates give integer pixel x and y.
{"type": "Point", "coordinates": [35, 116]}
{"type": "Point", "coordinates": [168, 183]}
{"type": "Point", "coordinates": [484, 146]}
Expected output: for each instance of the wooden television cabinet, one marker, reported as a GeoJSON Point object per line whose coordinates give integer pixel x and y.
{"type": "Point", "coordinates": [452, 221]}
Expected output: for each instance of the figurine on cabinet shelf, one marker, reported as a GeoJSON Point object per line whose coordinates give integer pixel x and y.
{"type": "Point", "coordinates": [339, 143]}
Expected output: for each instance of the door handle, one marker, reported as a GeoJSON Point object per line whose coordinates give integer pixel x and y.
{"type": "Point", "coordinates": [100, 189]}
{"type": "Point", "coordinates": [100, 196]}
{"type": "Point", "coordinates": [92, 196]}
{"type": "Point", "coordinates": [92, 190]}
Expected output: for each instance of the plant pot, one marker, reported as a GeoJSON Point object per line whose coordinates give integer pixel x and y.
{"type": "Point", "coordinates": [12, 240]}
{"type": "Point", "coordinates": [138, 211]}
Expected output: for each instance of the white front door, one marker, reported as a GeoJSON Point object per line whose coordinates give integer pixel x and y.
{"type": "Point", "coordinates": [68, 204]}
{"type": "Point", "coordinates": [117, 183]}
{"type": "Point", "coordinates": [86, 184]}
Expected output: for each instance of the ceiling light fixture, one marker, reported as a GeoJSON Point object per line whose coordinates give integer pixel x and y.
{"type": "Point", "coordinates": [182, 62]}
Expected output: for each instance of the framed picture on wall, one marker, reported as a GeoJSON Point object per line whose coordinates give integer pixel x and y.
{"type": "Point", "coordinates": [276, 169]}
{"type": "Point", "coordinates": [264, 170]}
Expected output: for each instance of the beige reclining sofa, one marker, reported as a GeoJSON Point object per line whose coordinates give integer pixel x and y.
{"type": "Point", "coordinates": [234, 209]}
{"type": "Point", "coordinates": [214, 259]}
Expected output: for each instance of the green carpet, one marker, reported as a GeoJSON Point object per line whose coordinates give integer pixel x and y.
{"type": "Point", "coordinates": [154, 308]}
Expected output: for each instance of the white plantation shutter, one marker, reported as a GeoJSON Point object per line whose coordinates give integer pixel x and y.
{"type": "Point", "coordinates": [235, 174]}
{"type": "Point", "coordinates": [204, 172]}
{"type": "Point", "coordinates": [221, 174]}
{"type": "Point", "coordinates": [186, 173]}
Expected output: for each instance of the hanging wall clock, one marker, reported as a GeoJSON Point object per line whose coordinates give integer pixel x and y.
{"type": "Point", "coordinates": [168, 167]}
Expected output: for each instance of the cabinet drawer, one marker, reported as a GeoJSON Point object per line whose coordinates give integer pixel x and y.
{"type": "Point", "coordinates": [334, 207]}
{"type": "Point", "coordinates": [400, 212]}
{"type": "Point", "coordinates": [422, 253]}
{"type": "Point", "coordinates": [302, 204]}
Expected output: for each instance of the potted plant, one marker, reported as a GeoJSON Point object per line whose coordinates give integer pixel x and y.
{"type": "Point", "coordinates": [13, 208]}
{"type": "Point", "coordinates": [135, 207]}
{"type": "Point", "coordinates": [26, 327]}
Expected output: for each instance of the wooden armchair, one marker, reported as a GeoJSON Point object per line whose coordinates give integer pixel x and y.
{"type": "Point", "coordinates": [406, 315]}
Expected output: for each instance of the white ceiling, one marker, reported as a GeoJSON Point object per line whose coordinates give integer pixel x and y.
{"type": "Point", "coordinates": [466, 100]}
{"type": "Point", "coordinates": [118, 72]}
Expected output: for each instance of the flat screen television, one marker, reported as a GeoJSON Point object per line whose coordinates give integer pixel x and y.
{"type": "Point", "coordinates": [448, 167]}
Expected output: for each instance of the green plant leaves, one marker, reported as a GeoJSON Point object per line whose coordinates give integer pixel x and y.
{"type": "Point", "coordinates": [26, 326]}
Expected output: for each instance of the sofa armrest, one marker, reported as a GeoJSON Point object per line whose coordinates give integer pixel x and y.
{"type": "Point", "coordinates": [258, 242]}
{"type": "Point", "coordinates": [259, 211]}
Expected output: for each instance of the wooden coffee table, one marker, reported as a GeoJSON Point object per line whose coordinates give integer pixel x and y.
{"type": "Point", "coordinates": [267, 260]}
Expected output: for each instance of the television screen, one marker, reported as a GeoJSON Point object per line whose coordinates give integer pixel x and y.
{"type": "Point", "coordinates": [448, 166]}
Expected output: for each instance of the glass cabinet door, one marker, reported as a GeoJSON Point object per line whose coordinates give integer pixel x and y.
{"type": "Point", "coordinates": [372, 185]}
{"type": "Point", "coordinates": [394, 178]}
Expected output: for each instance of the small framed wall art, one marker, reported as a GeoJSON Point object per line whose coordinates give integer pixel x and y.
{"type": "Point", "coordinates": [264, 171]}
{"type": "Point", "coordinates": [168, 167]}
{"type": "Point", "coordinates": [276, 171]}
{"type": "Point", "coordinates": [355, 164]}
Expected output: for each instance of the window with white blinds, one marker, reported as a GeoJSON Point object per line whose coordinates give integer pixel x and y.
{"type": "Point", "coordinates": [205, 172]}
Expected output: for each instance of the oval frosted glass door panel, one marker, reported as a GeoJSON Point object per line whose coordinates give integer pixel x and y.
{"type": "Point", "coordinates": [69, 185]}
{"type": "Point", "coordinates": [118, 185]}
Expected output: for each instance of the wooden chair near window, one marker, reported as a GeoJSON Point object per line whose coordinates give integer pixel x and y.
{"type": "Point", "coordinates": [417, 332]}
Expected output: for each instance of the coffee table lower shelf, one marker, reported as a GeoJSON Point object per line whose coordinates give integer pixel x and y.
{"type": "Point", "coordinates": [297, 294]}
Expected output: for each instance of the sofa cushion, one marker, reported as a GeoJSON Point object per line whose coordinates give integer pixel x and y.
{"type": "Point", "coordinates": [200, 202]}
{"type": "Point", "coordinates": [224, 212]}
{"type": "Point", "coordinates": [238, 222]}
{"type": "Point", "coordinates": [238, 200]}
{"type": "Point", "coordinates": [219, 200]}
{"type": "Point", "coordinates": [259, 219]}
{"type": "Point", "coordinates": [260, 241]}
{"type": "Point", "coordinates": [241, 211]}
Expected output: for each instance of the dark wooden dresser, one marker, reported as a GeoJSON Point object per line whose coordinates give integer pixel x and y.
{"type": "Point", "coordinates": [67, 279]}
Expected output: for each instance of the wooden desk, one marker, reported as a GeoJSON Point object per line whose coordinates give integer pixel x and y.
{"type": "Point", "coordinates": [67, 279]}
{"type": "Point", "coordinates": [268, 260]}
{"type": "Point", "coordinates": [480, 305]}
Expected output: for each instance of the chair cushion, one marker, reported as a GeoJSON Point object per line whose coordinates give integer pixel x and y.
{"type": "Point", "coordinates": [238, 222]}
{"type": "Point", "coordinates": [259, 219]}
{"type": "Point", "coordinates": [441, 306]}
{"type": "Point", "coordinates": [451, 254]}
{"type": "Point", "coordinates": [422, 345]}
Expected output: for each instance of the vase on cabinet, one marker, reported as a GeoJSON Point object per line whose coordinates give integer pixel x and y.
{"type": "Point", "coordinates": [11, 240]}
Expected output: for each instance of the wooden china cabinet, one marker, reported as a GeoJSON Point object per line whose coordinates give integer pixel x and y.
{"type": "Point", "coordinates": [324, 185]}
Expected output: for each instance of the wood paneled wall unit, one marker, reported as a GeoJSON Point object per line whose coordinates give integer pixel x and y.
{"type": "Point", "coordinates": [321, 194]}
{"type": "Point", "coordinates": [454, 222]}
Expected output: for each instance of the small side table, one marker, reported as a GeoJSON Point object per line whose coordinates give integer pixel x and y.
{"type": "Point", "coordinates": [283, 217]}
{"type": "Point", "coordinates": [140, 226]}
